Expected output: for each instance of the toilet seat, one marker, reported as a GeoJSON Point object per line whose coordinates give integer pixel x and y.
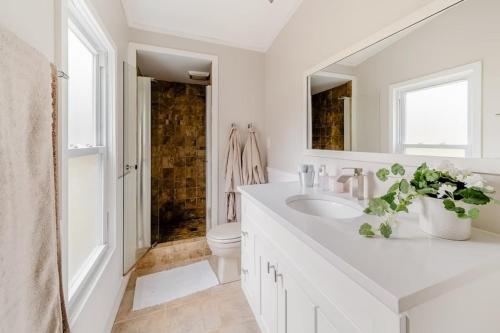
{"type": "Point", "coordinates": [226, 233]}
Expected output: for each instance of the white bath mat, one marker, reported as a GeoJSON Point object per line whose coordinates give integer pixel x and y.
{"type": "Point", "coordinates": [168, 285]}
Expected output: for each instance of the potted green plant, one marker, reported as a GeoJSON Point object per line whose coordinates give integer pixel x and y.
{"type": "Point", "coordinates": [449, 198]}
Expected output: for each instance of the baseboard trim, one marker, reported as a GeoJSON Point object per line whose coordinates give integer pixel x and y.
{"type": "Point", "coordinates": [117, 303]}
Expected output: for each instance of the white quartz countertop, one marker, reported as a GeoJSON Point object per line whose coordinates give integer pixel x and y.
{"type": "Point", "coordinates": [402, 272]}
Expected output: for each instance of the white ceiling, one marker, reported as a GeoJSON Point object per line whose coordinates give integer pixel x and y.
{"type": "Point", "coordinates": [249, 24]}
{"type": "Point", "coordinates": [169, 67]}
{"type": "Point", "coordinates": [322, 82]}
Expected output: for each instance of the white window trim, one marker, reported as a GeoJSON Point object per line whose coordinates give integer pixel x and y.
{"type": "Point", "coordinates": [83, 31]}
{"type": "Point", "coordinates": [80, 11]}
{"type": "Point", "coordinates": [471, 73]}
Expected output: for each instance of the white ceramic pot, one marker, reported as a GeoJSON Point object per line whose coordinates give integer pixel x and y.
{"type": "Point", "coordinates": [439, 222]}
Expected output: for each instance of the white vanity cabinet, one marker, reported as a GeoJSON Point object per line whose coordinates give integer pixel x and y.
{"type": "Point", "coordinates": [282, 299]}
{"type": "Point", "coordinates": [292, 288]}
{"type": "Point", "coordinates": [276, 299]}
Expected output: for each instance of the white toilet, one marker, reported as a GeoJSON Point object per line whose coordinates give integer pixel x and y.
{"type": "Point", "coordinates": [225, 242]}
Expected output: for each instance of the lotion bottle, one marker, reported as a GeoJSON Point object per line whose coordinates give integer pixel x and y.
{"type": "Point", "coordinates": [323, 179]}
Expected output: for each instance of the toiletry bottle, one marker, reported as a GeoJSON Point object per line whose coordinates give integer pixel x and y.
{"type": "Point", "coordinates": [306, 175]}
{"type": "Point", "coordinates": [323, 179]}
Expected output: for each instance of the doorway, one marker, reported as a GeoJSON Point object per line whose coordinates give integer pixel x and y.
{"type": "Point", "coordinates": [170, 193]}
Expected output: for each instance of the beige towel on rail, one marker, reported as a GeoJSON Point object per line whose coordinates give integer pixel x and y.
{"type": "Point", "coordinates": [253, 173]}
{"type": "Point", "coordinates": [232, 174]}
{"type": "Point", "coordinates": [30, 288]}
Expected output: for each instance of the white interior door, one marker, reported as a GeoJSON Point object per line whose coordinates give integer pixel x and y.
{"type": "Point", "coordinates": [130, 166]}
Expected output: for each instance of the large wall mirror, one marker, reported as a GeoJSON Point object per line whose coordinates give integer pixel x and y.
{"type": "Point", "coordinates": [432, 89]}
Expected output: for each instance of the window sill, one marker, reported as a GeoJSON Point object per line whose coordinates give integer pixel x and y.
{"type": "Point", "coordinates": [76, 152]}
{"type": "Point", "coordinates": [87, 272]}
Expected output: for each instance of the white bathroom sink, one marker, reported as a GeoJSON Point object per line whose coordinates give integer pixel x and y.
{"type": "Point", "coordinates": [325, 206]}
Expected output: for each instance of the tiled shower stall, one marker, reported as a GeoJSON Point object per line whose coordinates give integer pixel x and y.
{"type": "Point", "coordinates": [178, 160]}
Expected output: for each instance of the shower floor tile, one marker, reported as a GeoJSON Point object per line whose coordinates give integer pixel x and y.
{"type": "Point", "coordinates": [185, 229]}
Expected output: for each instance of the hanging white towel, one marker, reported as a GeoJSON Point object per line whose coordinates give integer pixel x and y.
{"type": "Point", "coordinates": [253, 173]}
{"type": "Point", "coordinates": [233, 176]}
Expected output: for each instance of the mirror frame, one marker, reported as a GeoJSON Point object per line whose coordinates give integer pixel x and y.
{"type": "Point", "coordinates": [486, 166]}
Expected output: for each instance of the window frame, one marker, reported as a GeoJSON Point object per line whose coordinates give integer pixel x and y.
{"type": "Point", "coordinates": [84, 28]}
{"type": "Point", "coordinates": [472, 73]}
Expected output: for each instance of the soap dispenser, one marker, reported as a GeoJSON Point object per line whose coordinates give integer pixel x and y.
{"type": "Point", "coordinates": [323, 179]}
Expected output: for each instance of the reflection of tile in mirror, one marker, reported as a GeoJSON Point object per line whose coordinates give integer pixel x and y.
{"type": "Point", "coordinates": [328, 128]}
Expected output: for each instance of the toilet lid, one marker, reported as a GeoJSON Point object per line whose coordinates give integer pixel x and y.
{"type": "Point", "coordinates": [225, 232]}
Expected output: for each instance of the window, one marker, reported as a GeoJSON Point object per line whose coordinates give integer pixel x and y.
{"type": "Point", "coordinates": [439, 115]}
{"type": "Point", "coordinates": [86, 152]}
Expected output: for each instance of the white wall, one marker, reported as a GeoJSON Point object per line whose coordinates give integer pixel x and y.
{"type": "Point", "coordinates": [319, 30]}
{"type": "Point", "coordinates": [241, 89]}
{"type": "Point", "coordinates": [32, 21]}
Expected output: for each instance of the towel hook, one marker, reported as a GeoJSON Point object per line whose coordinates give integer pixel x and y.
{"type": "Point", "coordinates": [250, 125]}
{"type": "Point", "coordinates": [62, 75]}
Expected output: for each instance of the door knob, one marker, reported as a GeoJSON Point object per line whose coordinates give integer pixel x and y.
{"type": "Point", "coordinates": [129, 167]}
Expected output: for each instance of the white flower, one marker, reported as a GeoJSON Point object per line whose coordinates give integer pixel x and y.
{"type": "Point", "coordinates": [474, 181]}
{"type": "Point", "coordinates": [447, 167]}
{"type": "Point", "coordinates": [450, 169]}
{"type": "Point", "coordinates": [444, 189]}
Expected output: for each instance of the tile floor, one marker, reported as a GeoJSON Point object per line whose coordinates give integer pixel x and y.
{"type": "Point", "coordinates": [181, 229]}
{"type": "Point", "coordinates": [221, 309]}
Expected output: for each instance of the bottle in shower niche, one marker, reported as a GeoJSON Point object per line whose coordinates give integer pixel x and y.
{"type": "Point", "coordinates": [323, 178]}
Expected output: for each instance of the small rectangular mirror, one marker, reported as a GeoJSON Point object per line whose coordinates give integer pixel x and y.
{"type": "Point", "coordinates": [431, 89]}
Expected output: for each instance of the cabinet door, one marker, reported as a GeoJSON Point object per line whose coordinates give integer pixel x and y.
{"type": "Point", "coordinates": [250, 265]}
{"type": "Point", "coordinates": [296, 312]}
{"type": "Point", "coordinates": [246, 255]}
{"type": "Point", "coordinates": [268, 292]}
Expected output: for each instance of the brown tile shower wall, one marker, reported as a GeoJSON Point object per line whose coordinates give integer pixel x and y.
{"type": "Point", "coordinates": [178, 148]}
{"type": "Point", "coordinates": [328, 117]}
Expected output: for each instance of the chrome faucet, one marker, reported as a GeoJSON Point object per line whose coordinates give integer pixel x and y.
{"type": "Point", "coordinates": [357, 182]}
